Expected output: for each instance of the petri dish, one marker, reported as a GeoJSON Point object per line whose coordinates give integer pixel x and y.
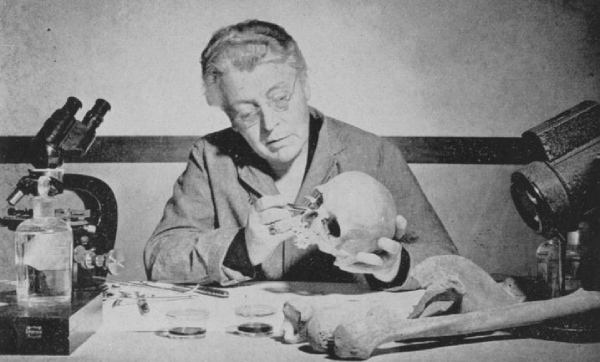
{"type": "Point", "coordinates": [187, 323]}
{"type": "Point", "coordinates": [253, 320]}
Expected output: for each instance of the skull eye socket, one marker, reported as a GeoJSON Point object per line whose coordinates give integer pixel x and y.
{"type": "Point", "coordinates": [329, 223]}
{"type": "Point", "coordinates": [333, 226]}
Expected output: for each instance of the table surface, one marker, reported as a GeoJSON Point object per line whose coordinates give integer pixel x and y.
{"type": "Point", "coordinates": [127, 335]}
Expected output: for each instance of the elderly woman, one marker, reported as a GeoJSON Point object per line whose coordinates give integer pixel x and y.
{"type": "Point", "coordinates": [239, 180]}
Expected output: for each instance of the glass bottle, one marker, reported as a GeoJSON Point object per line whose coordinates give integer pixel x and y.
{"type": "Point", "coordinates": [573, 255]}
{"type": "Point", "coordinates": [548, 270]}
{"type": "Point", "coordinates": [44, 254]}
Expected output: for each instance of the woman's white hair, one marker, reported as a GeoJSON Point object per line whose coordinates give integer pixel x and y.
{"type": "Point", "coordinates": [244, 46]}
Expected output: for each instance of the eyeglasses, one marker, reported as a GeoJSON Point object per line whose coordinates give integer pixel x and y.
{"type": "Point", "coordinates": [280, 102]}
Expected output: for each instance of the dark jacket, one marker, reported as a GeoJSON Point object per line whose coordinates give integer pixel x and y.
{"type": "Point", "coordinates": [201, 233]}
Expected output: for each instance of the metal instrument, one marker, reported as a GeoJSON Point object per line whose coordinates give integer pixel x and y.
{"type": "Point", "coordinates": [195, 290]}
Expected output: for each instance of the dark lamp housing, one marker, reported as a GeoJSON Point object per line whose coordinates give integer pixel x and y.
{"type": "Point", "coordinates": [561, 187]}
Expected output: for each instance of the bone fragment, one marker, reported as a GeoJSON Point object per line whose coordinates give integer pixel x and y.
{"type": "Point", "coordinates": [444, 272]}
{"type": "Point", "coordinates": [315, 321]}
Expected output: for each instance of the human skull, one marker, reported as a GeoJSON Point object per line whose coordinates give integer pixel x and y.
{"type": "Point", "coordinates": [348, 215]}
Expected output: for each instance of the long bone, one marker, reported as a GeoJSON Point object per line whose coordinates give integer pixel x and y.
{"type": "Point", "coordinates": [358, 339]}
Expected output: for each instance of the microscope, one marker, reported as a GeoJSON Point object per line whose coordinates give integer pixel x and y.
{"type": "Point", "coordinates": [558, 197]}
{"type": "Point", "coordinates": [59, 330]}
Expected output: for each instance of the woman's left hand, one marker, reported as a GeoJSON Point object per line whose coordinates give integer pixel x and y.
{"type": "Point", "coordinates": [383, 263]}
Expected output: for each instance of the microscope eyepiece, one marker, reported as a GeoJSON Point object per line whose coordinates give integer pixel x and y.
{"type": "Point", "coordinates": [72, 106]}
{"type": "Point", "coordinates": [95, 116]}
{"type": "Point", "coordinates": [101, 107]}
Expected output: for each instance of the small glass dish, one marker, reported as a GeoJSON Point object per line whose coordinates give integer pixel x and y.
{"type": "Point", "coordinates": [253, 320]}
{"type": "Point", "coordinates": [187, 323]}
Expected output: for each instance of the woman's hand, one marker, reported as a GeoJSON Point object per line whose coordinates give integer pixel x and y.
{"type": "Point", "coordinates": [383, 263]}
{"type": "Point", "coordinates": [269, 224]}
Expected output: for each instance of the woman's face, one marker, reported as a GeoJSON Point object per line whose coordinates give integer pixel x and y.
{"type": "Point", "coordinates": [268, 107]}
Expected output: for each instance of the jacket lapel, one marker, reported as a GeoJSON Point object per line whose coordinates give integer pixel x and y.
{"type": "Point", "coordinates": [253, 172]}
{"type": "Point", "coordinates": [324, 164]}
{"type": "Point", "coordinates": [259, 182]}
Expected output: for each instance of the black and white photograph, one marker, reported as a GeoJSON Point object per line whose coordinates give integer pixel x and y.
{"type": "Point", "coordinates": [284, 180]}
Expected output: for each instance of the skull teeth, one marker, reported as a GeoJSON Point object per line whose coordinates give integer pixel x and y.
{"type": "Point", "coordinates": [305, 234]}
